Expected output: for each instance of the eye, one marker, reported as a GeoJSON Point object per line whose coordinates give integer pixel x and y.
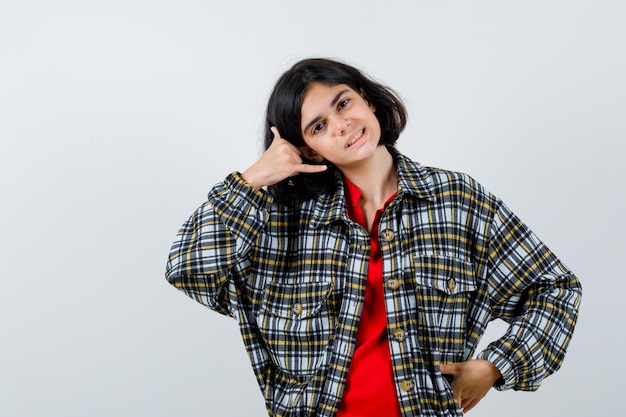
{"type": "Point", "coordinates": [318, 127]}
{"type": "Point", "coordinates": [343, 103]}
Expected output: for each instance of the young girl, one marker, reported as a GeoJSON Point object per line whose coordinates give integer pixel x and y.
{"type": "Point", "coordinates": [362, 281]}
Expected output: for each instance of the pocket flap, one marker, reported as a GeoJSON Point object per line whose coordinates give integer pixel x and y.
{"type": "Point", "coordinates": [296, 300]}
{"type": "Point", "coordinates": [445, 274]}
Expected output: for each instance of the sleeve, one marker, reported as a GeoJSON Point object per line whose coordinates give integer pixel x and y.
{"type": "Point", "coordinates": [212, 248]}
{"type": "Point", "coordinates": [536, 295]}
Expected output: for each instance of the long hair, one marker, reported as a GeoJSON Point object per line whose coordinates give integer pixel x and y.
{"type": "Point", "coordinates": [284, 111]}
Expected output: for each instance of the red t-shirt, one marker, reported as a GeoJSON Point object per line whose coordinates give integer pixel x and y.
{"type": "Point", "coordinates": [370, 388]}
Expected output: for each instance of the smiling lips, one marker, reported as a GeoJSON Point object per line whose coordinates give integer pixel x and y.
{"type": "Point", "coordinates": [355, 138]}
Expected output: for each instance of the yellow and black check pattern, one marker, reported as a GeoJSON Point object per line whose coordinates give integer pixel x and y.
{"type": "Point", "coordinates": [454, 258]}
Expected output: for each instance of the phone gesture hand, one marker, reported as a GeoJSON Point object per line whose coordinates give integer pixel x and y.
{"type": "Point", "coordinates": [281, 160]}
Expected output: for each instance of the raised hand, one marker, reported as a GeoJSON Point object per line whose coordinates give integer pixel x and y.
{"type": "Point", "coordinates": [281, 160]}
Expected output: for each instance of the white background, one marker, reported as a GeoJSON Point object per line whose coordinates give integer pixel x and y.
{"type": "Point", "coordinates": [116, 117]}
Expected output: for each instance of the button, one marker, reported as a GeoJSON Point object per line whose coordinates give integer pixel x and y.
{"type": "Point", "coordinates": [399, 335]}
{"type": "Point", "coordinates": [451, 284]}
{"type": "Point", "coordinates": [388, 235]}
{"type": "Point", "coordinates": [297, 308]}
{"type": "Point", "coordinates": [407, 385]}
{"type": "Point", "coordinates": [393, 283]}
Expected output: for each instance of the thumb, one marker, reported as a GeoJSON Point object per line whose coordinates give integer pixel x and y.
{"type": "Point", "coordinates": [274, 130]}
{"type": "Point", "coordinates": [448, 368]}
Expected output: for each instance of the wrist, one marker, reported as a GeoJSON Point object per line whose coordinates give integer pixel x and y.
{"type": "Point", "coordinates": [494, 372]}
{"type": "Point", "coordinates": [250, 180]}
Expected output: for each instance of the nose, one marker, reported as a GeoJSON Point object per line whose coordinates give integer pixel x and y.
{"type": "Point", "coordinates": [342, 124]}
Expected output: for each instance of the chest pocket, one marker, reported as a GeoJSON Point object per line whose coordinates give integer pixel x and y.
{"type": "Point", "coordinates": [296, 323]}
{"type": "Point", "coordinates": [445, 288]}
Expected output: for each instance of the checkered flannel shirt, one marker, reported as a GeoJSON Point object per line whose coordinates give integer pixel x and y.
{"type": "Point", "coordinates": [454, 258]}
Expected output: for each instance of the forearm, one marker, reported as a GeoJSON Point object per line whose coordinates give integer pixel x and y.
{"type": "Point", "coordinates": [216, 240]}
{"type": "Point", "coordinates": [535, 343]}
{"type": "Point", "coordinates": [537, 295]}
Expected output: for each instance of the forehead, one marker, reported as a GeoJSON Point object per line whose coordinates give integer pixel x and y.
{"type": "Point", "coordinates": [318, 99]}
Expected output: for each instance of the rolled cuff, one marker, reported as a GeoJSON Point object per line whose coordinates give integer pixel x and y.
{"type": "Point", "coordinates": [509, 377]}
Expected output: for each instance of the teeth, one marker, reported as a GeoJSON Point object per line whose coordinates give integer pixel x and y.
{"type": "Point", "coordinates": [357, 137]}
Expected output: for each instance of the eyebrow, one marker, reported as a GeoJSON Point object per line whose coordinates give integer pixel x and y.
{"type": "Point", "coordinates": [332, 103]}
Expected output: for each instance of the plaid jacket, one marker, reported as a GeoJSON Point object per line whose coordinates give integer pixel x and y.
{"type": "Point", "coordinates": [454, 258]}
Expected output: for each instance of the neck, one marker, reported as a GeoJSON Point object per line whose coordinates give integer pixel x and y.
{"type": "Point", "coordinates": [377, 178]}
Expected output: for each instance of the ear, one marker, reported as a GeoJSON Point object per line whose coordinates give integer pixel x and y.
{"type": "Point", "coordinates": [311, 155]}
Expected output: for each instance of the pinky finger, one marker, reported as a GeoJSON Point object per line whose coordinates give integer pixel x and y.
{"type": "Point", "coordinates": [312, 169]}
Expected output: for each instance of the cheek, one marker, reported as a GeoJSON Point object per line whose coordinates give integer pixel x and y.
{"type": "Point", "coordinates": [321, 143]}
{"type": "Point", "coordinates": [327, 152]}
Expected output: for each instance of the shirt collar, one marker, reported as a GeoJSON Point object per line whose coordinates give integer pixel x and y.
{"type": "Point", "coordinates": [413, 180]}
{"type": "Point", "coordinates": [330, 208]}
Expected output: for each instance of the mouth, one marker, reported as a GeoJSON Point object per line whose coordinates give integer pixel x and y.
{"type": "Point", "coordinates": [356, 137]}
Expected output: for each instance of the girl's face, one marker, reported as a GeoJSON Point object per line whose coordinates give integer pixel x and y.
{"type": "Point", "coordinates": [338, 125]}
